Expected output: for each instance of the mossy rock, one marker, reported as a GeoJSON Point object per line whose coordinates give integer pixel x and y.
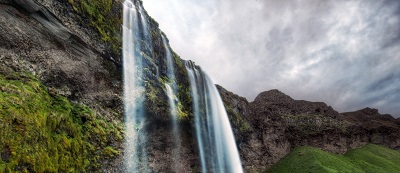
{"type": "Point", "coordinates": [105, 17]}
{"type": "Point", "coordinates": [47, 133]}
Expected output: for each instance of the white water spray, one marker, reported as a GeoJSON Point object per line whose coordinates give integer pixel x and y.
{"type": "Point", "coordinates": [135, 157]}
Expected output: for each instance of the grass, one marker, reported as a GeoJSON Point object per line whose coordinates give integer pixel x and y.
{"type": "Point", "coordinates": [370, 158]}
{"type": "Point", "coordinates": [42, 132]}
{"type": "Point", "coordinates": [375, 158]}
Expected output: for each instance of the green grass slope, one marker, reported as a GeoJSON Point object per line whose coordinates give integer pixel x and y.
{"type": "Point", "coordinates": [375, 158]}
{"type": "Point", "coordinates": [370, 158]}
{"type": "Point", "coordinates": [44, 132]}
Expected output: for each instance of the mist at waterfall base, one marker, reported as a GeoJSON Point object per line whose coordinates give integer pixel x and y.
{"type": "Point", "coordinates": [216, 143]}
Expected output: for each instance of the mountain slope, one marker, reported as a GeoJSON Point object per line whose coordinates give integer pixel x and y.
{"type": "Point", "coordinates": [370, 158]}
{"type": "Point", "coordinates": [375, 158]}
{"type": "Point", "coordinates": [278, 124]}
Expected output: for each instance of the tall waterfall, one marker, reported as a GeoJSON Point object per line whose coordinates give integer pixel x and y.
{"type": "Point", "coordinates": [217, 147]}
{"type": "Point", "coordinates": [135, 119]}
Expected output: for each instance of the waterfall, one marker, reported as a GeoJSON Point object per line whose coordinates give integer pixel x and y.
{"type": "Point", "coordinates": [172, 101]}
{"type": "Point", "coordinates": [135, 157]}
{"type": "Point", "coordinates": [217, 147]}
{"type": "Point", "coordinates": [216, 143]}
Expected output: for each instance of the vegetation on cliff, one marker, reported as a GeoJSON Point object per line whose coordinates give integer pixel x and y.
{"type": "Point", "coordinates": [237, 119]}
{"type": "Point", "coordinates": [368, 159]}
{"type": "Point", "coordinates": [105, 16]}
{"type": "Point", "coordinates": [44, 132]}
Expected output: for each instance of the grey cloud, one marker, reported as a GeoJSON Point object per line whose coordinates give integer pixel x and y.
{"type": "Point", "coordinates": [343, 52]}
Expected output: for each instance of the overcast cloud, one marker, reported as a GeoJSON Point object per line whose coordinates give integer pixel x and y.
{"type": "Point", "coordinates": [345, 53]}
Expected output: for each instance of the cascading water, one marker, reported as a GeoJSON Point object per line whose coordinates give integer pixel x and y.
{"type": "Point", "coordinates": [172, 100]}
{"type": "Point", "coordinates": [135, 119]}
{"type": "Point", "coordinates": [217, 147]}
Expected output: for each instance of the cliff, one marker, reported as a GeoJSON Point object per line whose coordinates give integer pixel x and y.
{"type": "Point", "coordinates": [73, 49]}
{"type": "Point", "coordinates": [68, 52]}
{"type": "Point", "coordinates": [47, 41]}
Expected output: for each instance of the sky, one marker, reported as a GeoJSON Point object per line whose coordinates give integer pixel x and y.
{"type": "Point", "coordinates": [345, 53]}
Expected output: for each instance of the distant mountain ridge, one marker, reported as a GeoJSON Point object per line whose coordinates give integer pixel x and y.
{"type": "Point", "coordinates": [279, 123]}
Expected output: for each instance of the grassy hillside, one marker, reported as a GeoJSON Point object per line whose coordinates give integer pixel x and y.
{"type": "Point", "coordinates": [375, 158]}
{"type": "Point", "coordinates": [370, 158]}
{"type": "Point", "coordinates": [41, 131]}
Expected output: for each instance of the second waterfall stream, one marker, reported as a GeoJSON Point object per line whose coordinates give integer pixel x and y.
{"type": "Point", "coordinates": [217, 146]}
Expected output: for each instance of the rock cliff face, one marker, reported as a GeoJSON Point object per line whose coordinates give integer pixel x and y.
{"type": "Point", "coordinates": [381, 129]}
{"type": "Point", "coordinates": [45, 38]}
{"type": "Point", "coordinates": [76, 55]}
{"type": "Point", "coordinates": [73, 47]}
{"type": "Point", "coordinates": [34, 40]}
{"type": "Point", "coordinates": [280, 123]}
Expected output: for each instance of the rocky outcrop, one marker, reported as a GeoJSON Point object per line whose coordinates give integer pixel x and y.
{"type": "Point", "coordinates": [380, 129]}
{"type": "Point", "coordinates": [280, 123]}
{"type": "Point", "coordinates": [282, 104]}
{"type": "Point", "coordinates": [33, 39]}
{"type": "Point", "coordinates": [238, 108]}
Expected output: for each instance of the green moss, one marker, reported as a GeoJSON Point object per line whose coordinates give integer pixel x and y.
{"type": "Point", "coordinates": [183, 115]}
{"type": "Point", "coordinates": [182, 112]}
{"type": "Point", "coordinates": [47, 133]}
{"type": "Point", "coordinates": [370, 158]}
{"type": "Point", "coordinates": [100, 15]}
{"type": "Point", "coordinates": [184, 92]}
{"type": "Point", "coordinates": [154, 96]}
{"type": "Point", "coordinates": [110, 152]}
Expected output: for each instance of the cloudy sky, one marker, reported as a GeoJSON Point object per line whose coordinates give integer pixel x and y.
{"type": "Point", "coordinates": [345, 53]}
